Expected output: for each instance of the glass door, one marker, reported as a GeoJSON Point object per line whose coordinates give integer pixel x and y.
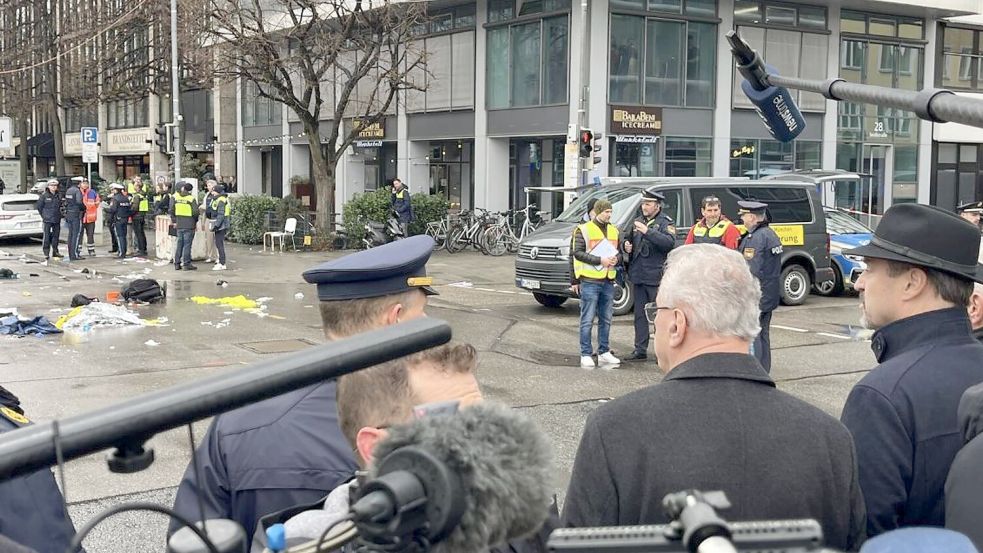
{"type": "Point", "coordinates": [878, 162]}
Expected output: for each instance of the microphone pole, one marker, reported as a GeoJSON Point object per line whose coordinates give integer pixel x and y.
{"type": "Point", "coordinates": [932, 104]}
{"type": "Point", "coordinates": [127, 425]}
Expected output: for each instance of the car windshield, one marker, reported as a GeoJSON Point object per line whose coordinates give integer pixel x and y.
{"type": "Point", "coordinates": [623, 199]}
{"type": "Point", "coordinates": [18, 205]}
{"type": "Point", "coordinates": [841, 223]}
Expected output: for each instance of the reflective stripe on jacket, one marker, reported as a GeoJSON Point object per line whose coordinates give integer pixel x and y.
{"type": "Point", "coordinates": [593, 235]}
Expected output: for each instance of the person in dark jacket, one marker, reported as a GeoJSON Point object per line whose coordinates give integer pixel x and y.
{"type": "Point", "coordinates": [162, 199]}
{"type": "Point", "coordinates": [716, 421]}
{"type": "Point", "coordinates": [921, 265]}
{"type": "Point", "coordinates": [220, 223]}
{"type": "Point", "coordinates": [74, 210]}
{"type": "Point", "coordinates": [49, 206]}
{"type": "Point", "coordinates": [649, 241]}
{"type": "Point", "coordinates": [402, 206]}
{"type": "Point", "coordinates": [289, 450]}
{"type": "Point", "coordinates": [964, 484]}
{"type": "Point", "coordinates": [140, 200]}
{"type": "Point", "coordinates": [763, 251]}
{"type": "Point", "coordinates": [184, 212]}
{"type": "Point", "coordinates": [32, 512]}
{"type": "Point", "coordinates": [120, 210]}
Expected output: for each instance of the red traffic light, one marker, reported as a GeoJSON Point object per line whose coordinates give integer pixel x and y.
{"type": "Point", "coordinates": [586, 137]}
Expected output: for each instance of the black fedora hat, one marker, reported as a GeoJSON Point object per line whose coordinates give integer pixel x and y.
{"type": "Point", "coordinates": [926, 236]}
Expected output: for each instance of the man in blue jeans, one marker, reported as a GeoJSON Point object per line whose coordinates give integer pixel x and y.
{"type": "Point", "coordinates": [595, 261]}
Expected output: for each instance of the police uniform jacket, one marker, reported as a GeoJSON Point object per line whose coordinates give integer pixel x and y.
{"type": "Point", "coordinates": [649, 249]}
{"type": "Point", "coordinates": [74, 206]}
{"type": "Point", "coordinates": [717, 422]}
{"type": "Point", "coordinates": [903, 416]}
{"type": "Point", "coordinates": [268, 456]}
{"type": "Point", "coordinates": [49, 206]}
{"type": "Point", "coordinates": [32, 511]}
{"type": "Point", "coordinates": [964, 487]}
{"type": "Point", "coordinates": [763, 251]}
{"type": "Point", "coordinates": [402, 205]}
{"type": "Point", "coordinates": [120, 208]}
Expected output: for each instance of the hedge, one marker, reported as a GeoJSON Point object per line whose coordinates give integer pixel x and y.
{"type": "Point", "coordinates": [375, 206]}
{"type": "Point", "coordinates": [249, 217]}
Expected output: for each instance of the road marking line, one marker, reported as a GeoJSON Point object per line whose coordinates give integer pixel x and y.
{"type": "Point", "coordinates": [792, 328]}
{"type": "Point", "coordinates": [840, 336]}
{"type": "Point", "coordinates": [484, 289]}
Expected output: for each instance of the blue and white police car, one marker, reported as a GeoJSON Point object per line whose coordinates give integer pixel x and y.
{"type": "Point", "coordinates": [845, 233]}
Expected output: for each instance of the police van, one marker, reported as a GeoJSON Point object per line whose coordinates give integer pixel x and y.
{"type": "Point", "coordinates": [543, 266]}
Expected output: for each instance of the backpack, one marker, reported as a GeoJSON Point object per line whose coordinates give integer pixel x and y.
{"type": "Point", "coordinates": [79, 300]}
{"type": "Point", "coordinates": [143, 289]}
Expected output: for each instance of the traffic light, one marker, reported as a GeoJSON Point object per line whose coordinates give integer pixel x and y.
{"type": "Point", "coordinates": [586, 143]}
{"type": "Point", "coordinates": [162, 141]}
{"type": "Point", "coordinates": [596, 148]}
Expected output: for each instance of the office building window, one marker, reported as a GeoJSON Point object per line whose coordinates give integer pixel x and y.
{"type": "Point", "coordinates": [257, 110]}
{"type": "Point", "coordinates": [705, 8]}
{"type": "Point", "coordinates": [504, 10]}
{"type": "Point", "coordinates": [443, 21]}
{"type": "Point", "coordinates": [852, 22]}
{"type": "Point", "coordinates": [77, 117]}
{"type": "Point", "coordinates": [754, 12]}
{"type": "Point", "coordinates": [127, 114]}
{"type": "Point", "coordinates": [660, 62]}
{"type": "Point", "coordinates": [527, 63]}
{"type": "Point", "coordinates": [794, 54]}
{"type": "Point", "coordinates": [687, 157]}
{"type": "Point", "coordinates": [961, 59]}
{"type": "Point", "coordinates": [448, 79]}
{"type": "Point", "coordinates": [755, 158]}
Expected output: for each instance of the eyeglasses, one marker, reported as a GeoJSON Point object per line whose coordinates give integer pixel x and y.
{"type": "Point", "coordinates": [710, 200]}
{"type": "Point", "coordinates": [651, 310]}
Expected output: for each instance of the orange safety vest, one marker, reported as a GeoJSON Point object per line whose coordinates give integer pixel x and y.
{"type": "Point", "coordinates": [91, 206]}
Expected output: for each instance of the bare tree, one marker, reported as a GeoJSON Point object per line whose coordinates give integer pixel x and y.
{"type": "Point", "coordinates": [335, 58]}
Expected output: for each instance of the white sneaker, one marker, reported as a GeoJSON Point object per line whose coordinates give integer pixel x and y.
{"type": "Point", "coordinates": [218, 267]}
{"type": "Point", "coordinates": [608, 358]}
{"type": "Point", "coordinates": [587, 362]}
{"type": "Point", "coordinates": [209, 260]}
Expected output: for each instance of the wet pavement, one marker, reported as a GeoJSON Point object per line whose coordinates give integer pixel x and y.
{"type": "Point", "coordinates": [528, 355]}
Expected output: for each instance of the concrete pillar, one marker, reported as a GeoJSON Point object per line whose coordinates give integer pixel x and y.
{"type": "Point", "coordinates": [226, 116]}
{"type": "Point", "coordinates": [286, 163]}
{"type": "Point", "coordinates": [926, 128]}
{"type": "Point", "coordinates": [830, 118]}
{"type": "Point", "coordinates": [724, 93]}
{"type": "Point", "coordinates": [597, 77]}
{"type": "Point", "coordinates": [482, 164]}
{"type": "Point", "coordinates": [240, 147]}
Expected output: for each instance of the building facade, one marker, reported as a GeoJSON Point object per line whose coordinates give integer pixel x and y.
{"type": "Point", "coordinates": [504, 81]}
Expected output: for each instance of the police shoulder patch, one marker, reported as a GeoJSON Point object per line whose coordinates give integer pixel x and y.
{"type": "Point", "coordinates": [776, 250]}
{"type": "Point", "coordinates": [671, 229]}
{"type": "Point", "coordinates": [13, 416]}
{"type": "Point", "coordinates": [748, 253]}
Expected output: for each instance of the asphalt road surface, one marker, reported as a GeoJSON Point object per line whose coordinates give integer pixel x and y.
{"type": "Point", "coordinates": [528, 356]}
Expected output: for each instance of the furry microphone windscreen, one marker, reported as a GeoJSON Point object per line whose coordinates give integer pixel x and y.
{"type": "Point", "coordinates": [505, 465]}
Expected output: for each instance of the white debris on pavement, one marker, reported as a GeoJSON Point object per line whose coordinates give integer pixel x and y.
{"type": "Point", "coordinates": [101, 314]}
{"type": "Point", "coordinates": [299, 295]}
{"type": "Point", "coordinates": [151, 343]}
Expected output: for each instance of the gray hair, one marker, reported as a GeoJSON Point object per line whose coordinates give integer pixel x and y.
{"type": "Point", "coordinates": [713, 286]}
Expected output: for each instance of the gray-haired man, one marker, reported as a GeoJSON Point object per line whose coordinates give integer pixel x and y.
{"type": "Point", "coordinates": [716, 422]}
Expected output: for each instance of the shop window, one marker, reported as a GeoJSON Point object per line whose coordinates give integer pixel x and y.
{"type": "Point", "coordinates": [687, 157]}
{"type": "Point", "coordinates": [754, 158]}
{"type": "Point", "coordinates": [677, 59]}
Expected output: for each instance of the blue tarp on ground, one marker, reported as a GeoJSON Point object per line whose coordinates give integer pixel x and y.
{"type": "Point", "coordinates": [38, 326]}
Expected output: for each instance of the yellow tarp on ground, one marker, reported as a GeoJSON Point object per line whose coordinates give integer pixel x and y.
{"type": "Point", "coordinates": [235, 302]}
{"type": "Point", "coordinates": [64, 318]}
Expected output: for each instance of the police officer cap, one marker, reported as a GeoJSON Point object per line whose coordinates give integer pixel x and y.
{"type": "Point", "coordinates": [653, 194]}
{"type": "Point", "coordinates": [971, 207]}
{"type": "Point", "coordinates": [52, 181]}
{"type": "Point", "coordinates": [751, 206]}
{"type": "Point", "coordinates": [116, 186]}
{"type": "Point", "coordinates": [388, 269]}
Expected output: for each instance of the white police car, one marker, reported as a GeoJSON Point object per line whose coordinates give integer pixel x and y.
{"type": "Point", "coordinates": [845, 233]}
{"type": "Point", "coordinates": [19, 216]}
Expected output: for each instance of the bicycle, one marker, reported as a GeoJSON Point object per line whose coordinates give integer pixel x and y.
{"type": "Point", "coordinates": [469, 230]}
{"type": "Point", "coordinates": [503, 237]}
{"type": "Point", "coordinates": [438, 231]}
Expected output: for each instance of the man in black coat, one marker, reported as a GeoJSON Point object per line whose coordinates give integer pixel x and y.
{"type": "Point", "coordinates": [650, 239]}
{"type": "Point", "coordinates": [717, 421]}
{"type": "Point", "coordinates": [921, 265]}
{"type": "Point", "coordinates": [762, 249]}
{"type": "Point", "coordinates": [74, 209]}
{"type": "Point", "coordinates": [49, 206]}
{"type": "Point", "coordinates": [964, 485]}
{"type": "Point", "coordinates": [402, 205]}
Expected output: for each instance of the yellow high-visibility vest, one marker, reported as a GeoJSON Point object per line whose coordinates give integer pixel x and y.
{"type": "Point", "coordinates": [182, 205]}
{"type": "Point", "coordinates": [592, 237]}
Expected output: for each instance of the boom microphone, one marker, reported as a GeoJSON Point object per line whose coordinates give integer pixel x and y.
{"type": "Point", "coordinates": [463, 482]}
{"type": "Point", "coordinates": [774, 104]}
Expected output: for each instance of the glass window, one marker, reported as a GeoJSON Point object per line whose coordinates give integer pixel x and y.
{"type": "Point", "coordinates": [525, 51]}
{"type": "Point", "coordinates": [625, 66]}
{"type": "Point", "coordinates": [786, 205]}
{"type": "Point", "coordinates": [498, 68]}
{"type": "Point", "coordinates": [663, 81]}
{"type": "Point", "coordinates": [500, 10]}
{"type": "Point", "coordinates": [808, 155]}
{"type": "Point", "coordinates": [464, 17]}
{"type": "Point", "coordinates": [629, 4]}
{"type": "Point", "coordinates": [706, 8]}
{"type": "Point", "coordinates": [793, 53]}
{"type": "Point", "coordinates": [812, 65]}
{"type": "Point", "coordinates": [747, 11]}
{"type": "Point", "coordinates": [687, 157]}
{"type": "Point", "coordinates": [852, 22]}
{"type": "Point", "coordinates": [701, 48]}
{"type": "Point", "coordinates": [556, 5]}
{"type": "Point", "coordinates": [780, 15]}
{"type": "Point", "coordinates": [635, 160]}
{"type": "Point", "coordinates": [528, 7]}
{"type": "Point", "coordinates": [906, 163]}
{"type": "Point", "coordinates": [883, 27]}
{"type": "Point", "coordinates": [441, 23]}
{"type": "Point", "coordinates": [962, 60]}
{"type": "Point", "coordinates": [555, 60]}
{"type": "Point", "coordinates": [674, 6]}
{"type": "Point", "coordinates": [812, 16]}
{"type": "Point", "coordinates": [462, 71]}
{"type": "Point", "coordinates": [911, 29]}
{"type": "Point", "coordinates": [438, 94]}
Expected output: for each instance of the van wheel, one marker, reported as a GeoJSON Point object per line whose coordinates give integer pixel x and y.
{"type": "Point", "coordinates": [547, 300]}
{"type": "Point", "coordinates": [795, 285]}
{"type": "Point", "coordinates": [833, 287]}
{"type": "Point", "coordinates": [623, 300]}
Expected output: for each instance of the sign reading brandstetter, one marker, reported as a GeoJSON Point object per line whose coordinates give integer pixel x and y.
{"type": "Point", "coordinates": [636, 120]}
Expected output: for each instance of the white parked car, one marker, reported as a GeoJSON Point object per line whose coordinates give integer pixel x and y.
{"type": "Point", "coordinates": [19, 216]}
